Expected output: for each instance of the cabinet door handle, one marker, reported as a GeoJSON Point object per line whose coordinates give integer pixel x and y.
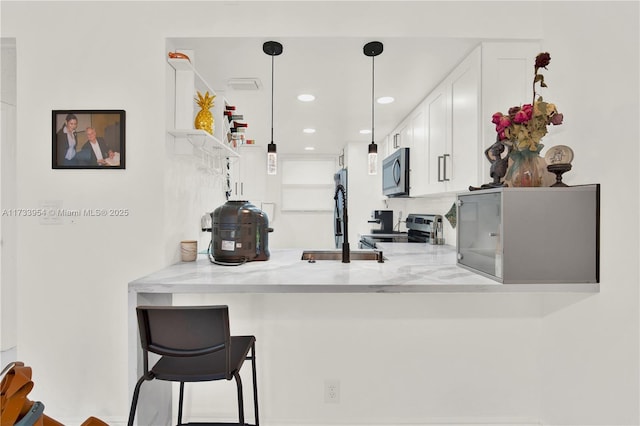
{"type": "Point", "coordinates": [444, 157]}
{"type": "Point", "coordinates": [440, 157]}
{"type": "Point", "coordinates": [236, 191]}
{"type": "Point", "coordinates": [241, 188]}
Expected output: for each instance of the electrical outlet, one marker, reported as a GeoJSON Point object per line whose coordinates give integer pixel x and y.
{"type": "Point", "coordinates": [332, 391]}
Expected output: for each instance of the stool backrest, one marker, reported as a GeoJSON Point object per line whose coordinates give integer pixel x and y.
{"type": "Point", "coordinates": [183, 331]}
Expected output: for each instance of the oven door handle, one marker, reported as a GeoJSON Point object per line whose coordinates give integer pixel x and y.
{"type": "Point", "coordinates": [365, 244]}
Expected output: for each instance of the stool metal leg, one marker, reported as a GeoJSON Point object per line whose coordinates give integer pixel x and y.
{"type": "Point", "coordinates": [134, 402]}
{"type": "Point", "coordinates": [240, 399]}
{"type": "Point", "coordinates": [255, 384]}
{"type": "Point", "coordinates": [180, 399]}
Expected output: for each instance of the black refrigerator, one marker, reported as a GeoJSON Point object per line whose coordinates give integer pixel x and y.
{"type": "Point", "coordinates": [338, 224]}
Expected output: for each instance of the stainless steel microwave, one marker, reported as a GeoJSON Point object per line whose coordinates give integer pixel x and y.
{"type": "Point", "coordinates": [395, 174]}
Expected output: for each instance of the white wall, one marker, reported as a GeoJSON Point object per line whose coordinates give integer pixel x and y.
{"type": "Point", "coordinates": [8, 194]}
{"type": "Point", "coordinates": [465, 358]}
{"type": "Point", "coordinates": [589, 349]}
{"type": "Point", "coordinates": [72, 277]}
{"type": "Point", "coordinates": [413, 359]}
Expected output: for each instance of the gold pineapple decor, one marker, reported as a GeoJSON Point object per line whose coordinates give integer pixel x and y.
{"type": "Point", "coordinates": [204, 118]}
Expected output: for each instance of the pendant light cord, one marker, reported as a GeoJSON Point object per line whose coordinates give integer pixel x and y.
{"type": "Point", "coordinates": [271, 98]}
{"type": "Point", "coordinates": [373, 79]}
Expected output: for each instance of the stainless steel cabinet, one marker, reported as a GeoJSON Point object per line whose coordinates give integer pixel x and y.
{"type": "Point", "coordinates": [531, 235]}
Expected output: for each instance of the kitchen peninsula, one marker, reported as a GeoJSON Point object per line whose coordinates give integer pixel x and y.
{"type": "Point", "coordinates": [407, 268]}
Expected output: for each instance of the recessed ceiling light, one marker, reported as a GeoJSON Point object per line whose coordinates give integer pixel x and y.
{"type": "Point", "coordinates": [308, 130]}
{"type": "Point", "coordinates": [365, 131]}
{"type": "Point", "coordinates": [309, 148]}
{"type": "Point", "coordinates": [305, 97]}
{"type": "Point", "coordinates": [385, 100]}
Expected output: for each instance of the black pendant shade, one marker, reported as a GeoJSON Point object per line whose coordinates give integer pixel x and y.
{"type": "Point", "coordinates": [273, 49]}
{"type": "Point", "coordinates": [373, 49]}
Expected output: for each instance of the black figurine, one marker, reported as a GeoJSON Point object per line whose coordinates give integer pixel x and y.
{"type": "Point", "coordinates": [499, 165]}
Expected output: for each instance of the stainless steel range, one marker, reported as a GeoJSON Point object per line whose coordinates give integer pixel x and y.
{"type": "Point", "coordinates": [421, 228]}
{"type": "Point", "coordinates": [425, 228]}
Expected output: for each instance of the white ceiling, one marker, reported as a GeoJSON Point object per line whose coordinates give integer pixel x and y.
{"type": "Point", "coordinates": [336, 71]}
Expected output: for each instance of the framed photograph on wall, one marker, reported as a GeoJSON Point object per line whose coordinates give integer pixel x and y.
{"type": "Point", "coordinates": [88, 139]}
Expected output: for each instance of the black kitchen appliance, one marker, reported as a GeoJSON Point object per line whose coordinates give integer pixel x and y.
{"type": "Point", "coordinates": [385, 219]}
{"type": "Point", "coordinates": [383, 233]}
{"type": "Point", "coordinates": [239, 233]}
{"type": "Point", "coordinates": [395, 174]}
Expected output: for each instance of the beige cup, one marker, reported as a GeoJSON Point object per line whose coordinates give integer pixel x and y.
{"type": "Point", "coordinates": [189, 250]}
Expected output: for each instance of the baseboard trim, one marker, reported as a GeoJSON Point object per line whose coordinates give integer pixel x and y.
{"type": "Point", "coordinates": [404, 422]}
{"type": "Point", "coordinates": [288, 422]}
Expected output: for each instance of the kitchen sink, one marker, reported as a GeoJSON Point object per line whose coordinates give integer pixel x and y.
{"type": "Point", "coordinates": [313, 255]}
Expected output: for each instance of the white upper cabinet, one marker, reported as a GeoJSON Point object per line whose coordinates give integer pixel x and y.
{"type": "Point", "coordinates": [247, 178]}
{"type": "Point", "coordinates": [437, 135]}
{"type": "Point", "coordinates": [418, 177]}
{"type": "Point", "coordinates": [450, 129]}
{"type": "Point", "coordinates": [405, 138]}
{"type": "Point", "coordinates": [463, 145]}
{"type": "Point", "coordinates": [400, 137]}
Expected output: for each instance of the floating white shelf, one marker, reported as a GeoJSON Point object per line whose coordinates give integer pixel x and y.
{"type": "Point", "coordinates": [208, 151]}
{"type": "Point", "coordinates": [185, 65]}
{"type": "Point", "coordinates": [203, 140]}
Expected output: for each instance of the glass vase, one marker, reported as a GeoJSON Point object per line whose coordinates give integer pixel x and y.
{"type": "Point", "coordinates": [526, 169]}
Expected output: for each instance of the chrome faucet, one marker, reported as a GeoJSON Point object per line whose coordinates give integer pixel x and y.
{"type": "Point", "coordinates": [345, 242]}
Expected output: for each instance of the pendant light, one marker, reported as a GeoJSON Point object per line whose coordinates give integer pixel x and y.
{"type": "Point", "coordinates": [373, 49]}
{"type": "Point", "coordinates": [272, 48]}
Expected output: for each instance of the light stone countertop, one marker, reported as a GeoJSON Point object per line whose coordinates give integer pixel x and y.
{"type": "Point", "coordinates": [408, 268]}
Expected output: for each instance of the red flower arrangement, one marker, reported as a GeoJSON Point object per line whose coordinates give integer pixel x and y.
{"type": "Point", "coordinates": [524, 126]}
